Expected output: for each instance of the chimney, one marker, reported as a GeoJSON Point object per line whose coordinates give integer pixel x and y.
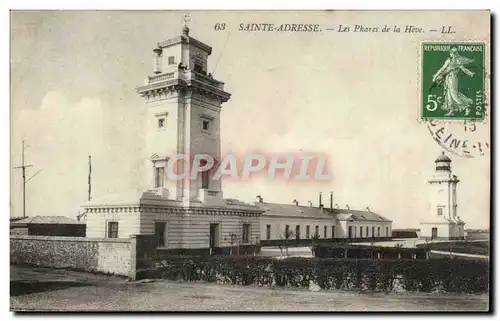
{"type": "Point", "coordinates": [296, 202]}
{"type": "Point", "coordinates": [157, 60]}
{"type": "Point", "coordinates": [310, 203]}
{"type": "Point", "coordinates": [331, 200]}
{"type": "Point", "coordinates": [368, 209]}
{"type": "Point", "coordinates": [320, 203]}
{"type": "Point", "coordinates": [347, 206]}
{"type": "Point", "coordinates": [260, 199]}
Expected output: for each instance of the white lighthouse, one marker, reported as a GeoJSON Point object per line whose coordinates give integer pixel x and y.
{"type": "Point", "coordinates": [442, 221]}
{"type": "Point", "coordinates": [183, 103]}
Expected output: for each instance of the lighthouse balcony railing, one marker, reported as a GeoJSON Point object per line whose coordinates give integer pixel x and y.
{"type": "Point", "coordinates": [186, 75]}
{"type": "Point", "coordinates": [162, 77]}
{"type": "Point", "coordinates": [201, 77]}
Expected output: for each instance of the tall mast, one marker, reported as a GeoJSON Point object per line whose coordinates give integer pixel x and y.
{"type": "Point", "coordinates": [90, 178]}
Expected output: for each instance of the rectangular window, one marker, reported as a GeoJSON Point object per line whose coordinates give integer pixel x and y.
{"type": "Point", "coordinates": [160, 233]}
{"type": "Point", "coordinates": [316, 231]}
{"type": "Point", "coordinates": [214, 235]}
{"type": "Point", "coordinates": [268, 232]}
{"type": "Point", "coordinates": [325, 232]}
{"type": "Point", "coordinates": [386, 231]}
{"type": "Point", "coordinates": [297, 232]}
{"type": "Point", "coordinates": [440, 210]}
{"type": "Point", "coordinates": [378, 231]}
{"type": "Point", "coordinates": [113, 230]}
{"type": "Point", "coordinates": [206, 125]}
{"type": "Point", "coordinates": [171, 60]}
{"type": "Point", "coordinates": [159, 173]}
{"type": "Point", "coordinates": [287, 231]}
{"type": "Point", "coordinates": [204, 179]}
{"type": "Point", "coordinates": [333, 231]}
{"type": "Point", "coordinates": [373, 231]}
{"type": "Point", "coordinates": [308, 231]}
{"type": "Point", "coordinates": [246, 233]}
{"type": "Point", "coordinates": [361, 231]}
{"type": "Point", "coordinates": [161, 122]}
{"type": "Point", "coordinates": [198, 68]}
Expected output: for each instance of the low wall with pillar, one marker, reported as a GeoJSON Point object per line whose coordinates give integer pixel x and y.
{"type": "Point", "coordinates": [115, 256]}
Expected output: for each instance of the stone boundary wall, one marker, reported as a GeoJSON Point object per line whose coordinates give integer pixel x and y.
{"type": "Point", "coordinates": [115, 256]}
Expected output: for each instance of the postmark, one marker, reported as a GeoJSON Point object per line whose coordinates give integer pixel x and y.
{"type": "Point", "coordinates": [452, 78]}
{"type": "Point", "coordinates": [464, 138]}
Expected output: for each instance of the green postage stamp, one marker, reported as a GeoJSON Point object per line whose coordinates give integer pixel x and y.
{"type": "Point", "coordinates": [453, 81]}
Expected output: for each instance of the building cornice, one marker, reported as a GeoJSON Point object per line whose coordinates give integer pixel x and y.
{"type": "Point", "coordinates": [186, 40]}
{"type": "Point", "coordinates": [166, 89]}
{"type": "Point", "coordinates": [364, 221]}
{"type": "Point", "coordinates": [138, 208]}
{"type": "Point", "coordinates": [330, 219]}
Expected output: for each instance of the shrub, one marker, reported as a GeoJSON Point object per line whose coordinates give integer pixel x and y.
{"type": "Point", "coordinates": [444, 274]}
{"type": "Point", "coordinates": [481, 248]}
{"type": "Point", "coordinates": [337, 250]}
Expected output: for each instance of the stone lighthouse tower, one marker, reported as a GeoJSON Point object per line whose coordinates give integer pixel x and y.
{"type": "Point", "coordinates": [442, 221]}
{"type": "Point", "coordinates": [183, 104]}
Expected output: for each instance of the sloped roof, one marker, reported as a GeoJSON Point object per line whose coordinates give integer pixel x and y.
{"type": "Point", "coordinates": [343, 217]}
{"type": "Point", "coordinates": [356, 215]}
{"type": "Point", "coordinates": [48, 220]}
{"type": "Point", "coordinates": [292, 210]}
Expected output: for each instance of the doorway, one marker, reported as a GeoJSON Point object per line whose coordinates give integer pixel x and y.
{"type": "Point", "coordinates": [214, 235]}
{"type": "Point", "coordinates": [434, 234]}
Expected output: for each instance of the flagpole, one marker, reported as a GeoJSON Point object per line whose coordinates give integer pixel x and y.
{"type": "Point", "coordinates": [90, 178]}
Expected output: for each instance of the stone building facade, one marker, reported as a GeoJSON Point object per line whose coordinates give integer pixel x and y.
{"type": "Point", "coordinates": [303, 222]}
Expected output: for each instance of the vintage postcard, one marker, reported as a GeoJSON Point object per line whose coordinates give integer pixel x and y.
{"type": "Point", "coordinates": [250, 160]}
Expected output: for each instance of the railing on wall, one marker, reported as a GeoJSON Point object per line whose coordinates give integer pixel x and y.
{"type": "Point", "coordinates": [207, 79]}
{"type": "Point", "coordinates": [161, 77]}
{"type": "Point", "coordinates": [186, 76]}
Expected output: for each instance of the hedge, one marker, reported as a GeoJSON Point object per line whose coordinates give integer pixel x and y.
{"type": "Point", "coordinates": [433, 275]}
{"type": "Point", "coordinates": [366, 251]}
{"type": "Point", "coordinates": [481, 248]}
{"type": "Point", "coordinates": [242, 249]}
{"type": "Point", "coordinates": [293, 242]}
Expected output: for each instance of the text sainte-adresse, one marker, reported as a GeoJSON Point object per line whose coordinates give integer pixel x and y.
{"type": "Point", "coordinates": [288, 27]}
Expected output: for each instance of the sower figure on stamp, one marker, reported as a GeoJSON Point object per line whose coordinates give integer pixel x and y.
{"type": "Point", "coordinates": [447, 77]}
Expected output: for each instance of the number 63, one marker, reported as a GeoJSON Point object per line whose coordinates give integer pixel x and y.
{"type": "Point", "coordinates": [434, 100]}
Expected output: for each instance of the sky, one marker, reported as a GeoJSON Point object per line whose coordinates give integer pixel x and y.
{"type": "Point", "coordinates": [353, 97]}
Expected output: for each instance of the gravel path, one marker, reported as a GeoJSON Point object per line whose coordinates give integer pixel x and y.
{"type": "Point", "coordinates": [73, 291]}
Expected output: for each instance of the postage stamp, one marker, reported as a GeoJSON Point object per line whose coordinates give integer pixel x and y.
{"type": "Point", "coordinates": [452, 81]}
